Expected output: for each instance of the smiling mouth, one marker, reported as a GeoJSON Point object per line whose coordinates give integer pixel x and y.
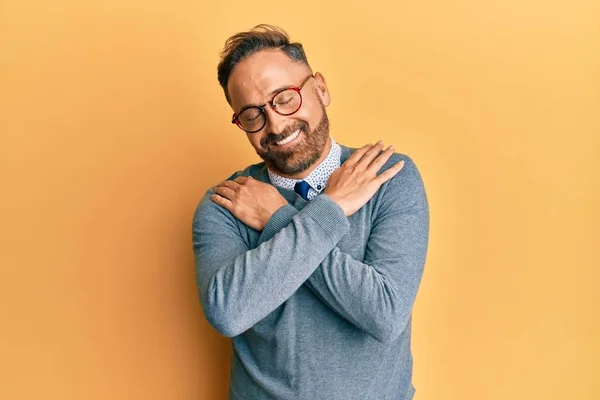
{"type": "Point", "coordinates": [288, 139]}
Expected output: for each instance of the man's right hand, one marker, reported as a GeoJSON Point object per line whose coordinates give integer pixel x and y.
{"type": "Point", "coordinates": [356, 181]}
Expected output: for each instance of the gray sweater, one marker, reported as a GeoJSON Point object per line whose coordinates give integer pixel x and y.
{"type": "Point", "coordinates": [318, 304]}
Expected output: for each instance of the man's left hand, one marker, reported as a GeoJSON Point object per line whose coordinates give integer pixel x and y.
{"type": "Point", "coordinates": [251, 201]}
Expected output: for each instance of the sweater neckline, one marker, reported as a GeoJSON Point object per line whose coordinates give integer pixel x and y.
{"type": "Point", "coordinates": [290, 195]}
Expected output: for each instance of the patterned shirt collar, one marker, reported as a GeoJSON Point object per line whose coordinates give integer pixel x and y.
{"type": "Point", "coordinates": [318, 177]}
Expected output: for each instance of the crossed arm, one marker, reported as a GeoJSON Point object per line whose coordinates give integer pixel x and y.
{"type": "Point", "coordinates": [240, 286]}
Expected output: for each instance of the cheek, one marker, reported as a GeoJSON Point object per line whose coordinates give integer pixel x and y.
{"type": "Point", "coordinates": [254, 140]}
{"type": "Point", "coordinates": [312, 116]}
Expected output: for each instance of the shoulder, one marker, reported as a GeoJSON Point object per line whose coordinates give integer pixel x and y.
{"type": "Point", "coordinates": [257, 171]}
{"type": "Point", "coordinates": [396, 157]}
{"type": "Point", "coordinates": [409, 172]}
{"type": "Point", "coordinates": [406, 189]}
{"type": "Point", "coordinates": [206, 207]}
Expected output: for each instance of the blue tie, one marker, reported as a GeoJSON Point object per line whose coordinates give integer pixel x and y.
{"type": "Point", "coordinates": [302, 189]}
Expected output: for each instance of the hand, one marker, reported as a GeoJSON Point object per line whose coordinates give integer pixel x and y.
{"type": "Point", "coordinates": [356, 181]}
{"type": "Point", "coordinates": [251, 201]}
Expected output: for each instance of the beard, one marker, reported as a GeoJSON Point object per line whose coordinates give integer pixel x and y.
{"type": "Point", "coordinates": [302, 155]}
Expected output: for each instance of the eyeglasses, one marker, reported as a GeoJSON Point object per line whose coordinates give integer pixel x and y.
{"type": "Point", "coordinates": [285, 102]}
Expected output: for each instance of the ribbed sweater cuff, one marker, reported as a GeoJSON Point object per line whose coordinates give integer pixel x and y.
{"type": "Point", "coordinates": [329, 215]}
{"type": "Point", "coordinates": [278, 221]}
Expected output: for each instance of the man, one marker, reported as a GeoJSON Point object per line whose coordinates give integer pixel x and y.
{"type": "Point", "coordinates": [310, 260]}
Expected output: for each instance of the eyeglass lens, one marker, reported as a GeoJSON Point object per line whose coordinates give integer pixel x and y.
{"type": "Point", "coordinates": [285, 102]}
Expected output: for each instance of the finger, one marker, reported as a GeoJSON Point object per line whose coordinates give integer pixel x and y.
{"type": "Point", "coordinates": [389, 173]}
{"type": "Point", "coordinates": [370, 155]}
{"type": "Point", "coordinates": [233, 185]}
{"type": "Point", "coordinates": [226, 192]}
{"type": "Point", "coordinates": [381, 159]}
{"type": "Point", "coordinates": [356, 156]}
{"type": "Point", "coordinates": [248, 181]}
{"type": "Point", "coordinates": [222, 201]}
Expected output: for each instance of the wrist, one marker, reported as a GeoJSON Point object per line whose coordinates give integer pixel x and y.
{"type": "Point", "coordinates": [338, 201]}
{"type": "Point", "coordinates": [268, 213]}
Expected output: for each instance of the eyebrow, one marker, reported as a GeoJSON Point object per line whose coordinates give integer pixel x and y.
{"type": "Point", "coordinates": [247, 106]}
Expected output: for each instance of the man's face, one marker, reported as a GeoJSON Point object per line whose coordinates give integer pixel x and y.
{"type": "Point", "coordinates": [254, 81]}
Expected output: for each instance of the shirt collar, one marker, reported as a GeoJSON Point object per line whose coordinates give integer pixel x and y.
{"type": "Point", "coordinates": [318, 178]}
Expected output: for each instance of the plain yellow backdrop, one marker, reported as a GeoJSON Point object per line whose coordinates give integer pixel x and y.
{"type": "Point", "coordinates": [113, 125]}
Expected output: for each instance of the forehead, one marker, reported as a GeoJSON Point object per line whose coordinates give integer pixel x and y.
{"type": "Point", "coordinates": [253, 79]}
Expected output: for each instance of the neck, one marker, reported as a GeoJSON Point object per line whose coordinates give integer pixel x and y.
{"type": "Point", "coordinates": [310, 169]}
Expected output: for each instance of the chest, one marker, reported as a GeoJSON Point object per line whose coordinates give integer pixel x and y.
{"type": "Point", "coordinates": [353, 243]}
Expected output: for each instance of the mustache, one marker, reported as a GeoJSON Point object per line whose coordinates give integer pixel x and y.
{"type": "Point", "coordinates": [271, 138]}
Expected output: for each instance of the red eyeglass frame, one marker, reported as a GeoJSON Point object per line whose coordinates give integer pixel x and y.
{"type": "Point", "coordinates": [235, 120]}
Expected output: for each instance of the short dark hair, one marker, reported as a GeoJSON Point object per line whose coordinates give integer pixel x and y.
{"type": "Point", "coordinates": [261, 37]}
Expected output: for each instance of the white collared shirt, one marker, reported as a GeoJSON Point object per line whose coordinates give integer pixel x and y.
{"type": "Point", "coordinates": [318, 177]}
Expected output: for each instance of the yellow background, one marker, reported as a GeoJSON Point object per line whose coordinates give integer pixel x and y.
{"type": "Point", "coordinates": [113, 125]}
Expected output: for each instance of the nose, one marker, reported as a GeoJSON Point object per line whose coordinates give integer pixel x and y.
{"type": "Point", "coordinates": [276, 123]}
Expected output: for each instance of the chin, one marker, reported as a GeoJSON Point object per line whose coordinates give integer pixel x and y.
{"type": "Point", "coordinates": [291, 163]}
{"type": "Point", "coordinates": [302, 155]}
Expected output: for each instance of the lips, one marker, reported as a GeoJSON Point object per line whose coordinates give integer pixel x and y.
{"type": "Point", "coordinates": [274, 141]}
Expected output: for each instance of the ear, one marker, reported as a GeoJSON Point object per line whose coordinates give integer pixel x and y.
{"type": "Point", "coordinates": [322, 90]}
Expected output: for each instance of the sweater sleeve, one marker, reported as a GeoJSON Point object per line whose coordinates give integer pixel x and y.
{"type": "Point", "coordinates": [377, 295]}
{"type": "Point", "coordinates": [239, 286]}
